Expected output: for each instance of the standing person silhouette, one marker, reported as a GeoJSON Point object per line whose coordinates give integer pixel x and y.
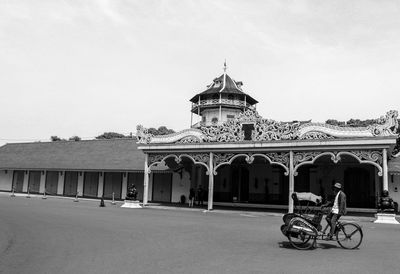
{"type": "Point", "coordinates": [200, 195]}
{"type": "Point", "coordinates": [192, 193]}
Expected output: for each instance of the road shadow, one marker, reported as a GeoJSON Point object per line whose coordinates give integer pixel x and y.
{"type": "Point", "coordinates": [324, 245]}
{"type": "Point", "coordinates": [327, 245]}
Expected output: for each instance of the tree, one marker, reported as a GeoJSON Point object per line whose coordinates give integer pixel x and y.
{"type": "Point", "coordinates": [74, 138]}
{"type": "Point", "coordinates": [335, 122]}
{"type": "Point", "coordinates": [162, 130]}
{"type": "Point", "coordinates": [55, 138]}
{"type": "Point", "coordinates": [110, 135]}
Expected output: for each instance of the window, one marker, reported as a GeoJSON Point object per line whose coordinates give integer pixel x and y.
{"type": "Point", "coordinates": [230, 116]}
{"type": "Point", "coordinates": [214, 120]}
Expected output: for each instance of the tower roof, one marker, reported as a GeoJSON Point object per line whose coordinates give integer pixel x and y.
{"type": "Point", "coordinates": [225, 84]}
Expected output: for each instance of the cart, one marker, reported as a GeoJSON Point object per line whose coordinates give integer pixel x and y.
{"type": "Point", "coordinates": [303, 226]}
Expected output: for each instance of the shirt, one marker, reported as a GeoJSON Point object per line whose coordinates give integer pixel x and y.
{"type": "Point", "coordinates": [335, 208]}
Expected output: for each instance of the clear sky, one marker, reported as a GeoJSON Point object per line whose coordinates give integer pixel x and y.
{"type": "Point", "coordinates": [85, 67]}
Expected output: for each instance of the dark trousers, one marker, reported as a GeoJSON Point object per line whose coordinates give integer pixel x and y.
{"type": "Point", "coordinates": [332, 218]}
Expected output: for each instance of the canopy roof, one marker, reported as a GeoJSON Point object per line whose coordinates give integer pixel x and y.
{"type": "Point", "coordinates": [225, 84]}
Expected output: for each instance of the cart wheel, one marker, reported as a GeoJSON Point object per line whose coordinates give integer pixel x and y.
{"type": "Point", "coordinates": [301, 239]}
{"type": "Point", "coordinates": [349, 235]}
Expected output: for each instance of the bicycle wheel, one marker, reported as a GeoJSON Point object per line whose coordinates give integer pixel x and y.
{"type": "Point", "coordinates": [301, 236]}
{"type": "Point", "coordinates": [349, 235]}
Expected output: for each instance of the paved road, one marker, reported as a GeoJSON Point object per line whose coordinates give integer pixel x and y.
{"type": "Point", "coordinates": [60, 236]}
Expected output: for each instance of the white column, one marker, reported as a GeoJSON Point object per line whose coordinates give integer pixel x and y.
{"type": "Point", "coordinates": [210, 183]}
{"type": "Point", "coordinates": [42, 181]}
{"type": "Point", "coordinates": [291, 182]}
{"type": "Point", "coordinates": [80, 183]}
{"type": "Point", "coordinates": [26, 182]}
{"type": "Point", "coordinates": [100, 185]}
{"type": "Point", "coordinates": [124, 185]}
{"type": "Point", "coordinates": [385, 170]}
{"type": "Point", "coordinates": [146, 180]}
{"type": "Point", "coordinates": [60, 186]}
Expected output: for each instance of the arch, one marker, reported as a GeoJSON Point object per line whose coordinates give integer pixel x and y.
{"type": "Point", "coordinates": [178, 159]}
{"type": "Point", "coordinates": [335, 157]}
{"type": "Point", "coordinates": [250, 159]}
{"type": "Point", "coordinates": [374, 157]}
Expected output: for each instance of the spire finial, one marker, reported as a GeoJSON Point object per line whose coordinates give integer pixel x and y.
{"type": "Point", "coordinates": [225, 66]}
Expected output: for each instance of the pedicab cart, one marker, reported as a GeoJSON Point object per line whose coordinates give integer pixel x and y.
{"type": "Point", "coordinates": [303, 227]}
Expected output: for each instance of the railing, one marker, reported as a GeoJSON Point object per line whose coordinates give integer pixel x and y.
{"type": "Point", "coordinates": [211, 102]}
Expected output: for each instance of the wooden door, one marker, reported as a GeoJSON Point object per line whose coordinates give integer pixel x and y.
{"type": "Point", "coordinates": [70, 183]}
{"type": "Point", "coordinates": [162, 187]}
{"type": "Point", "coordinates": [90, 184]}
{"type": "Point", "coordinates": [34, 181]}
{"type": "Point", "coordinates": [112, 184]}
{"type": "Point", "coordinates": [51, 184]}
{"type": "Point", "coordinates": [18, 180]}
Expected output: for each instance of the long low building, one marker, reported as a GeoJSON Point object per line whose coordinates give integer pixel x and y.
{"type": "Point", "coordinates": [92, 169]}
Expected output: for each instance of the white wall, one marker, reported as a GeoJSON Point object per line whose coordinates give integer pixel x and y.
{"type": "Point", "coordinates": [6, 180]}
{"type": "Point", "coordinates": [394, 187]}
{"type": "Point", "coordinates": [80, 184]}
{"type": "Point", "coordinates": [180, 186]}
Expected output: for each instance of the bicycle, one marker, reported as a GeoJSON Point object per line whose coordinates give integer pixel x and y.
{"type": "Point", "coordinates": [303, 230]}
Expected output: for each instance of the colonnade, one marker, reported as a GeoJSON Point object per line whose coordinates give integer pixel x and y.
{"type": "Point", "coordinates": [290, 160]}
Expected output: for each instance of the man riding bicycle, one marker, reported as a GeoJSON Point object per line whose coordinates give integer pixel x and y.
{"type": "Point", "coordinates": [338, 208]}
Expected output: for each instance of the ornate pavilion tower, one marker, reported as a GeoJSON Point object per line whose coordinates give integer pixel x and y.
{"type": "Point", "coordinates": [222, 100]}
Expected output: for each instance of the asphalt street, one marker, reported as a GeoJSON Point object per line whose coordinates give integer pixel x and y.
{"type": "Point", "coordinates": [61, 236]}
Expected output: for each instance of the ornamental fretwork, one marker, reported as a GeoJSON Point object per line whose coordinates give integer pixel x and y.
{"type": "Point", "coordinates": [197, 158]}
{"type": "Point", "coordinates": [264, 130]}
{"type": "Point", "coordinates": [373, 157]}
{"type": "Point", "coordinates": [274, 158]}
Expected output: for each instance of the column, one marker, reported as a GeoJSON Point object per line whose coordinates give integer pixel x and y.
{"type": "Point", "coordinates": [26, 182]}
{"type": "Point", "coordinates": [80, 183]}
{"type": "Point", "coordinates": [124, 185]}
{"type": "Point", "coordinates": [210, 183]}
{"type": "Point", "coordinates": [146, 180]}
{"type": "Point", "coordinates": [291, 182]}
{"type": "Point", "coordinates": [385, 170]}
{"type": "Point", "coordinates": [42, 181]}
{"type": "Point", "coordinates": [60, 186]}
{"type": "Point", "coordinates": [101, 185]}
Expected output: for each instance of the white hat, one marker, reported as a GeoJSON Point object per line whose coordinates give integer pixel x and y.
{"type": "Point", "coordinates": [338, 185]}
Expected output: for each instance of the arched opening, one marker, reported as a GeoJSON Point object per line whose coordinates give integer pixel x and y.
{"type": "Point", "coordinates": [174, 176]}
{"type": "Point", "coordinates": [360, 180]}
{"type": "Point", "coordinates": [259, 182]}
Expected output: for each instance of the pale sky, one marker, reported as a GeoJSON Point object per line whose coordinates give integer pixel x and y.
{"type": "Point", "coordinates": [85, 67]}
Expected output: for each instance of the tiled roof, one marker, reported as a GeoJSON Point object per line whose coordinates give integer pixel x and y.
{"type": "Point", "coordinates": [112, 154]}
{"type": "Point", "coordinates": [394, 165]}
{"type": "Point", "coordinates": [231, 87]}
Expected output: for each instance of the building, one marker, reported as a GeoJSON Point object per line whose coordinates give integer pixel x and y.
{"type": "Point", "coordinates": [90, 169]}
{"type": "Point", "coordinates": [244, 159]}
{"type": "Point", "coordinates": [236, 156]}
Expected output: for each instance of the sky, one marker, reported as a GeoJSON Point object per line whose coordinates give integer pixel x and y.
{"type": "Point", "coordinates": [86, 67]}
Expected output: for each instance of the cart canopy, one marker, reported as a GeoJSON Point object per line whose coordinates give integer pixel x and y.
{"type": "Point", "coordinates": [307, 196]}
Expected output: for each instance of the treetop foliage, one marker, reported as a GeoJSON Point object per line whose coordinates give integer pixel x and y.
{"type": "Point", "coordinates": [163, 130]}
